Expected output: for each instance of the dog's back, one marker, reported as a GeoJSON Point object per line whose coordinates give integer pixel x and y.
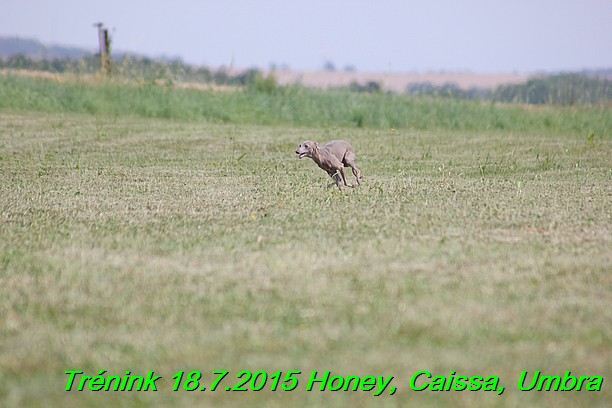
{"type": "Point", "coordinates": [341, 149]}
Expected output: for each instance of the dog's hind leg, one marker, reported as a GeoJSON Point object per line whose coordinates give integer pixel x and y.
{"type": "Point", "coordinates": [343, 177]}
{"type": "Point", "coordinates": [357, 174]}
{"type": "Point", "coordinates": [349, 161]}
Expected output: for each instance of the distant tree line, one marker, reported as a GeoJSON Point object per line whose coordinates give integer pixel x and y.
{"type": "Point", "coordinates": [561, 89]}
{"type": "Point", "coordinates": [139, 68]}
{"type": "Point", "coordinates": [448, 90]}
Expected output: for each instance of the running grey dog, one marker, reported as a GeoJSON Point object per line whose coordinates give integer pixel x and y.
{"type": "Point", "coordinates": [332, 158]}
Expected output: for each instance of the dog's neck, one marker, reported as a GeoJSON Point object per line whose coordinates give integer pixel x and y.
{"type": "Point", "coordinates": [316, 156]}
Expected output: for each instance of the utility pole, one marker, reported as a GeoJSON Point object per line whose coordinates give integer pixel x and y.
{"type": "Point", "coordinates": [105, 42]}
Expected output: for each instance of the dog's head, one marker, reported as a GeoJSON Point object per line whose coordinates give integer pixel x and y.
{"type": "Point", "coordinates": [306, 149]}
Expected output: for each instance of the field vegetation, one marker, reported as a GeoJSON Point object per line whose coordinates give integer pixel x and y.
{"type": "Point", "coordinates": [565, 89]}
{"type": "Point", "coordinates": [148, 227]}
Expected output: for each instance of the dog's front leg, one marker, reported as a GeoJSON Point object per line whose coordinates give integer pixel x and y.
{"type": "Point", "coordinates": [336, 182]}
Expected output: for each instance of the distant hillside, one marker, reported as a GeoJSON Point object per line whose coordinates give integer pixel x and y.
{"type": "Point", "coordinates": [11, 46]}
{"type": "Point", "coordinates": [34, 49]}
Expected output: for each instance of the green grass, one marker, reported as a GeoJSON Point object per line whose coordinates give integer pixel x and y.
{"type": "Point", "coordinates": [137, 243]}
{"type": "Point", "coordinates": [294, 106]}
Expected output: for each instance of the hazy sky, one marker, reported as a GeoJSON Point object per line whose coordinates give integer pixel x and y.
{"type": "Point", "coordinates": [376, 35]}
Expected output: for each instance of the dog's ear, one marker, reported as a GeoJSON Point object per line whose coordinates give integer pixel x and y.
{"type": "Point", "coordinates": [316, 145]}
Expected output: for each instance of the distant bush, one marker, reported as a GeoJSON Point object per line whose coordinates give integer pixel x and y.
{"type": "Point", "coordinates": [260, 83]}
{"type": "Point", "coordinates": [369, 87]}
{"type": "Point", "coordinates": [448, 90]}
{"type": "Point", "coordinates": [329, 66]}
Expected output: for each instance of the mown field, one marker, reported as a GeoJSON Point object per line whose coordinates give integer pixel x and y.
{"type": "Point", "coordinates": [148, 228]}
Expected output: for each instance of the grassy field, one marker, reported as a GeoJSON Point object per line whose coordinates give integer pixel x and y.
{"type": "Point", "coordinates": [132, 242]}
